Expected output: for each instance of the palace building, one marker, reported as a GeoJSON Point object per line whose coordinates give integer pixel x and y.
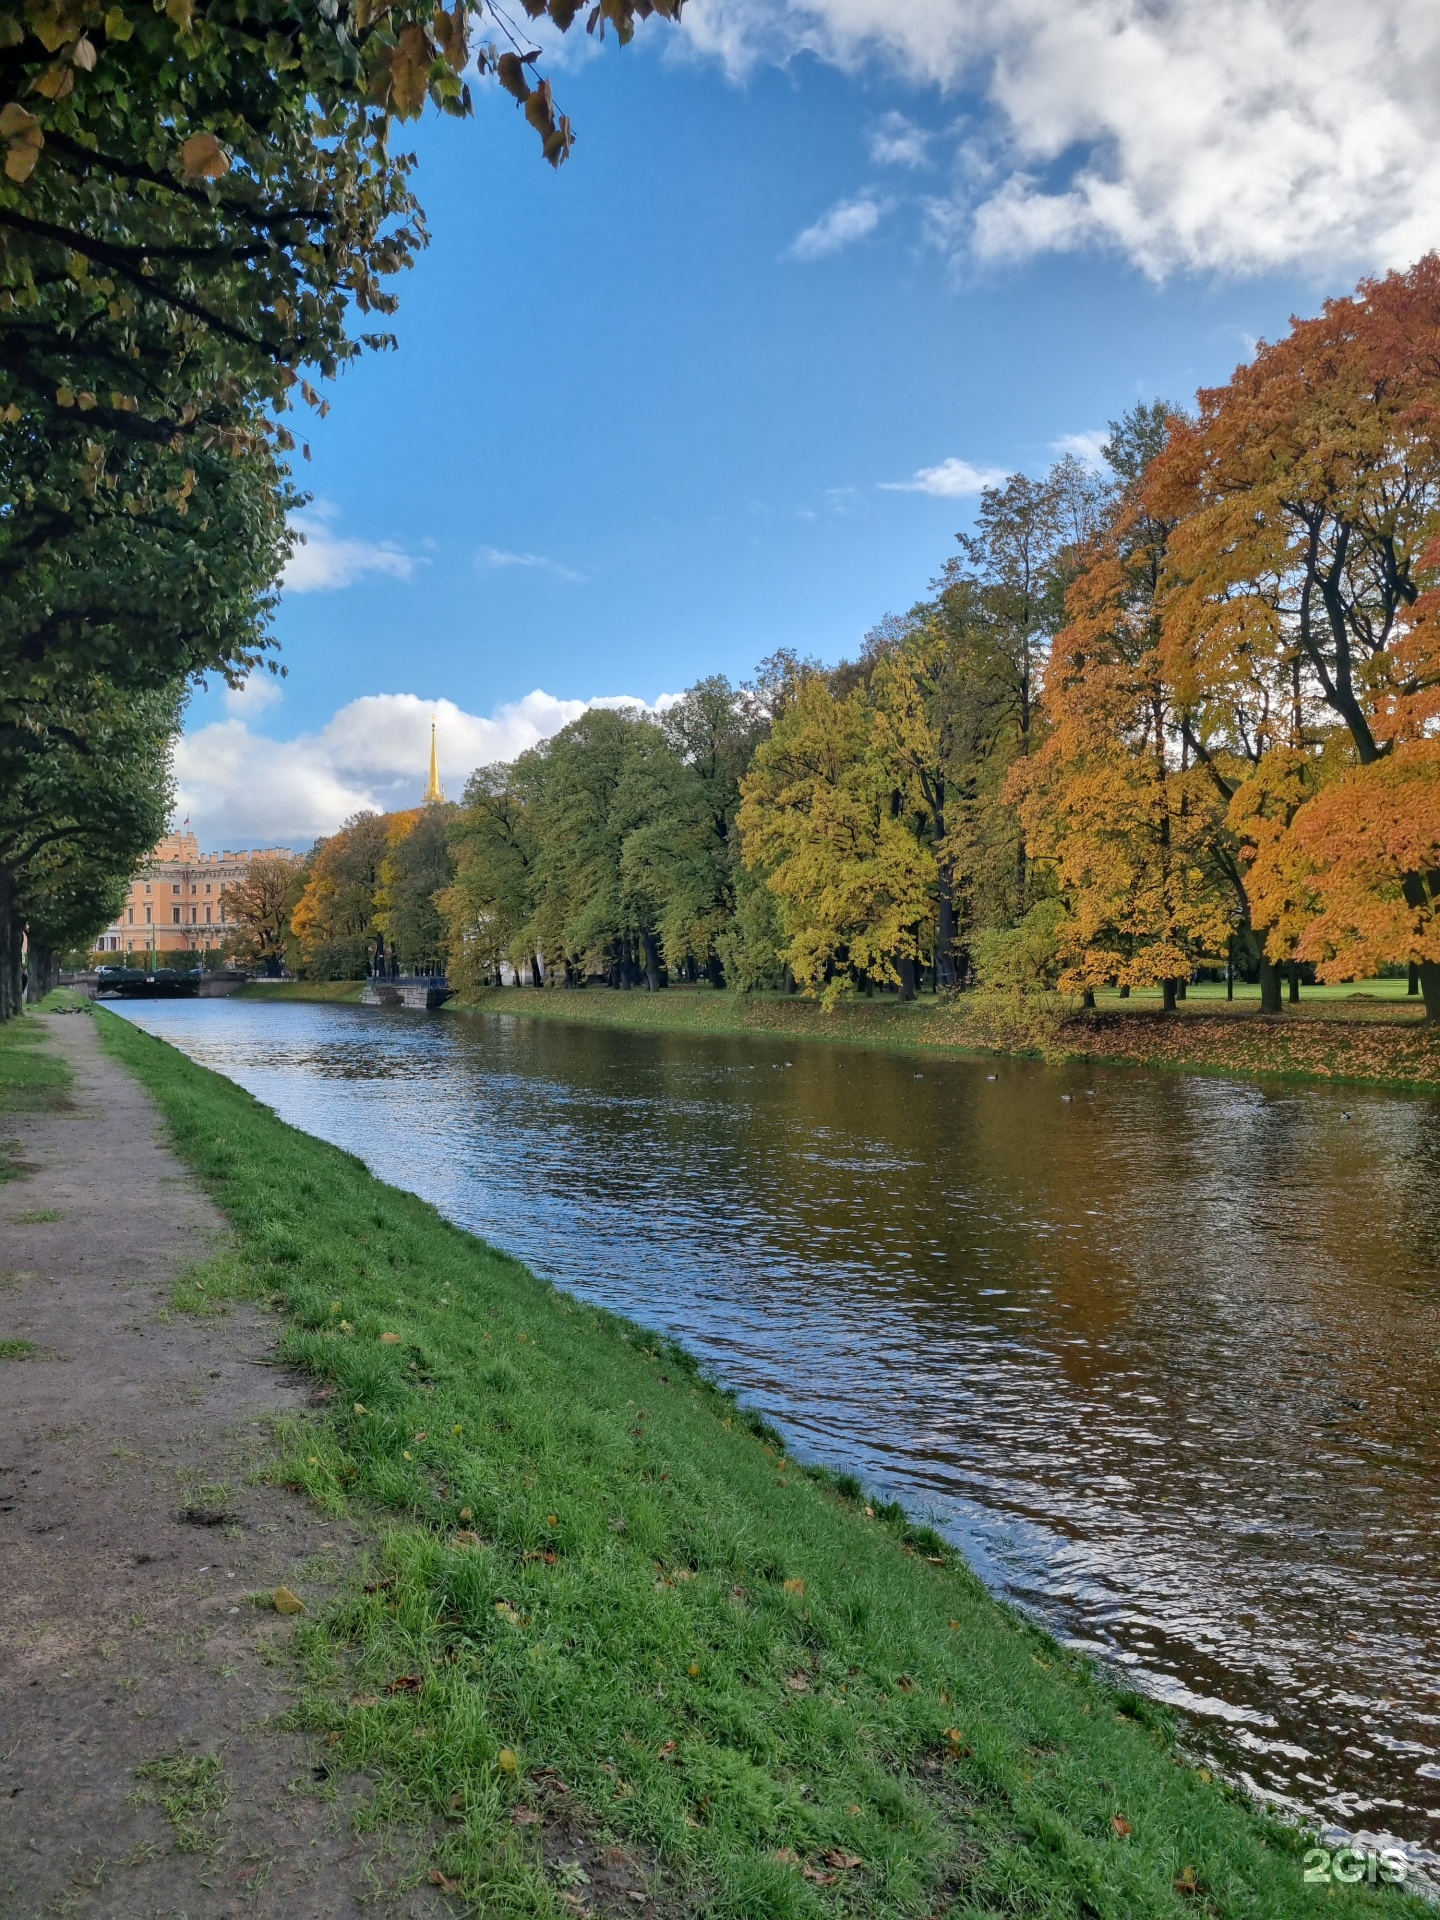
{"type": "Point", "coordinates": [174, 904]}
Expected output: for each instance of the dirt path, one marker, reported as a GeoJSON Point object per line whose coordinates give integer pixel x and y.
{"type": "Point", "coordinates": [126, 1638]}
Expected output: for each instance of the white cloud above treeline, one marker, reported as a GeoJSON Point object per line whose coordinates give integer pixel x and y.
{"type": "Point", "coordinates": [1237, 136]}
{"type": "Point", "coordinates": [243, 788]}
{"type": "Point", "coordinates": [953, 479]}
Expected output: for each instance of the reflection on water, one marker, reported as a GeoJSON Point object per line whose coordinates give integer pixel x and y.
{"type": "Point", "coordinates": [1158, 1353]}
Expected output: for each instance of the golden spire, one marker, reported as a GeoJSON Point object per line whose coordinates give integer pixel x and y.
{"type": "Point", "coordinates": [434, 792]}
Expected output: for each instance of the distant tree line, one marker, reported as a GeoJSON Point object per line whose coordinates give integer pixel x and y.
{"type": "Point", "coordinates": [201, 211]}
{"type": "Point", "coordinates": [1184, 713]}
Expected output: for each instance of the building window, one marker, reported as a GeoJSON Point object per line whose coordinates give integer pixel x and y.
{"type": "Point", "coordinates": [207, 916]}
{"type": "Point", "coordinates": [177, 916]}
{"type": "Point", "coordinates": [147, 886]}
{"type": "Point", "coordinates": [175, 888]}
{"type": "Point", "coordinates": [207, 886]}
{"type": "Point", "coordinates": [147, 916]}
{"type": "Point", "coordinates": [129, 916]}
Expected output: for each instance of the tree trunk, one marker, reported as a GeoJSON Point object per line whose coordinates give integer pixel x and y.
{"type": "Point", "coordinates": [1269, 984]}
{"type": "Point", "coordinates": [1167, 989]}
{"type": "Point", "coordinates": [537, 971]}
{"type": "Point", "coordinates": [714, 972]}
{"type": "Point", "coordinates": [44, 974]}
{"type": "Point", "coordinates": [9, 949]}
{"type": "Point", "coordinates": [945, 930]}
{"type": "Point", "coordinates": [1292, 973]}
{"type": "Point", "coordinates": [1087, 999]}
{"type": "Point", "coordinates": [1124, 993]}
{"type": "Point", "coordinates": [1180, 986]}
{"type": "Point", "coordinates": [1413, 986]}
{"type": "Point", "coordinates": [905, 967]}
{"type": "Point", "coordinates": [652, 962]}
{"type": "Point", "coordinates": [1430, 988]}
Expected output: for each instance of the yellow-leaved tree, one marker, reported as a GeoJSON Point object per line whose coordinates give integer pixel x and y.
{"type": "Point", "coordinates": [832, 814]}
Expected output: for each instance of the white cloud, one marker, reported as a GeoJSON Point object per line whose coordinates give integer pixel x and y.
{"type": "Point", "coordinates": [502, 557]}
{"type": "Point", "coordinates": [841, 225]}
{"type": "Point", "coordinates": [1239, 136]}
{"type": "Point", "coordinates": [1088, 447]}
{"type": "Point", "coordinates": [327, 560]}
{"type": "Point", "coordinates": [243, 788]}
{"type": "Point", "coordinates": [952, 480]}
{"type": "Point", "coordinates": [259, 691]}
{"type": "Point", "coordinates": [898, 142]}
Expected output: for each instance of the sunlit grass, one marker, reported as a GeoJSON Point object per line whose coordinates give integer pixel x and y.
{"type": "Point", "coordinates": [596, 1569]}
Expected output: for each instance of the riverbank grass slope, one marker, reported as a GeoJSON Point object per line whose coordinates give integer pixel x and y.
{"type": "Point", "coordinates": [614, 1631]}
{"type": "Point", "coordinates": [1372, 1035]}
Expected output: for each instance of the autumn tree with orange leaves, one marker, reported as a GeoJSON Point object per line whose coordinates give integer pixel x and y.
{"type": "Point", "coordinates": [1301, 624]}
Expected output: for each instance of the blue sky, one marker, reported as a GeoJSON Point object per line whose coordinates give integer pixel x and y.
{"type": "Point", "coordinates": [635, 433]}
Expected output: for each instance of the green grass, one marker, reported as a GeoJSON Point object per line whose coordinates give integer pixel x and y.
{"type": "Point", "coordinates": [19, 1350]}
{"type": "Point", "coordinates": [340, 991]}
{"type": "Point", "coordinates": [190, 1790]}
{"type": "Point", "coordinates": [596, 1568]}
{"type": "Point", "coordinates": [33, 1076]}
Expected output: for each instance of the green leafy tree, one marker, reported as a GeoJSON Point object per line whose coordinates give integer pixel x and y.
{"type": "Point", "coordinates": [76, 820]}
{"type": "Point", "coordinates": [416, 873]}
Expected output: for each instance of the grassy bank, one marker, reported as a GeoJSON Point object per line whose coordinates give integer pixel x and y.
{"type": "Point", "coordinates": [346, 992]}
{"type": "Point", "coordinates": [1372, 1038]}
{"type": "Point", "coordinates": [617, 1644]}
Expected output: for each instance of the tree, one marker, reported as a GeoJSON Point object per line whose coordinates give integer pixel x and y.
{"type": "Point", "coordinates": [1121, 802]}
{"type": "Point", "coordinates": [334, 919]}
{"type": "Point", "coordinates": [490, 903]}
{"type": "Point", "coordinates": [836, 824]}
{"type": "Point", "coordinates": [260, 904]}
{"type": "Point", "coordinates": [75, 821]}
{"type": "Point", "coordinates": [1307, 502]}
{"type": "Point", "coordinates": [414, 875]}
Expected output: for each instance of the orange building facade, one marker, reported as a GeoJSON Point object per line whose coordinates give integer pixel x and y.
{"type": "Point", "coordinates": [175, 901]}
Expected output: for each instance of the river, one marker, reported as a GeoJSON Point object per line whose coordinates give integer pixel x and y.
{"type": "Point", "coordinates": [1158, 1352]}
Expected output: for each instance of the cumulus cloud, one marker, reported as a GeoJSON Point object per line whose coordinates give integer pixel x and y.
{"type": "Point", "coordinates": [1242, 136]}
{"type": "Point", "coordinates": [259, 691]}
{"type": "Point", "coordinates": [243, 788]}
{"type": "Point", "coordinates": [327, 560]}
{"type": "Point", "coordinates": [1088, 447]}
{"type": "Point", "coordinates": [952, 480]}
{"type": "Point", "coordinates": [840, 226]}
{"type": "Point", "coordinates": [898, 142]}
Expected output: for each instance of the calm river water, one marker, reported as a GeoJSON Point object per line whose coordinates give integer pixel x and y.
{"type": "Point", "coordinates": [1159, 1353]}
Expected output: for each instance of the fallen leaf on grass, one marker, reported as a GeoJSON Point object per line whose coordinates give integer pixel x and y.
{"type": "Point", "coordinates": [465, 1539]}
{"type": "Point", "coordinates": [666, 1749]}
{"type": "Point", "coordinates": [506, 1760]}
{"type": "Point", "coordinates": [284, 1601]}
{"type": "Point", "coordinates": [787, 1856]}
{"type": "Point", "coordinates": [405, 1683]}
{"type": "Point", "coordinates": [442, 1881]}
{"type": "Point", "coordinates": [364, 1700]}
{"type": "Point", "coordinates": [525, 1816]}
{"type": "Point", "coordinates": [797, 1683]}
{"type": "Point", "coordinates": [390, 1339]}
{"type": "Point", "coordinates": [837, 1857]}
{"type": "Point", "coordinates": [1188, 1883]}
{"type": "Point", "coordinates": [1120, 1824]}
{"type": "Point", "coordinates": [795, 1586]}
{"type": "Point", "coordinates": [820, 1879]}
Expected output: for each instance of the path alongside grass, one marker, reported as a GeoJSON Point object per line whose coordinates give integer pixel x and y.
{"type": "Point", "coordinates": [620, 1654]}
{"type": "Point", "coordinates": [142, 1769]}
